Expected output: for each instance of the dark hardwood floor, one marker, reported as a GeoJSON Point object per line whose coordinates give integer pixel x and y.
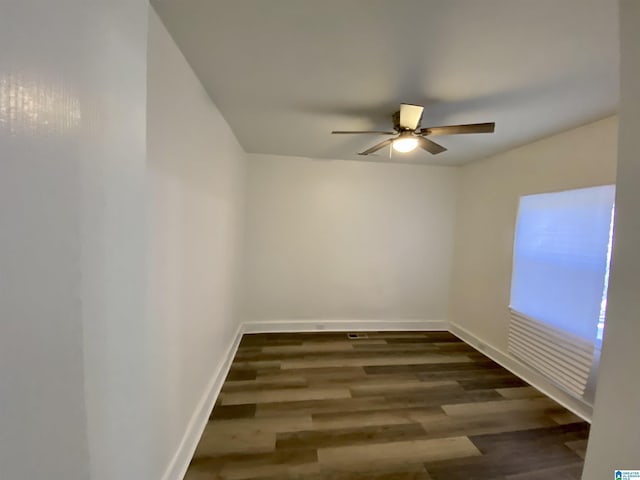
{"type": "Point", "coordinates": [393, 406]}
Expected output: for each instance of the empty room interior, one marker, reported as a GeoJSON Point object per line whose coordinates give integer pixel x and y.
{"type": "Point", "coordinates": [345, 240]}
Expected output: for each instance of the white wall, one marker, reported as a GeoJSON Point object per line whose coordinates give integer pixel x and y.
{"type": "Point", "coordinates": [113, 231]}
{"type": "Point", "coordinates": [41, 378]}
{"type": "Point", "coordinates": [116, 270]}
{"type": "Point", "coordinates": [347, 240]}
{"type": "Point", "coordinates": [196, 174]}
{"type": "Point", "coordinates": [72, 140]}
{"type": "Point", "coordinates": [615, 432]}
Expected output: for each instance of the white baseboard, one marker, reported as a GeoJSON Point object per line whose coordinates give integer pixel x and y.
{"type": "Point", "coordinates": [515, 366]}
{"type": "Point", "coordinates": [319, 325]}
{"type": "Point", "coordinates": [180, 462]}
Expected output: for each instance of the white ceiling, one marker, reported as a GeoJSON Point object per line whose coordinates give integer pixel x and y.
{"type": "Point", "coordinates": [285, 73]}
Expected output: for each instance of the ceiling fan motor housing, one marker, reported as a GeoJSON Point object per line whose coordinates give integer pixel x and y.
{"type": "Point", "coordinates": [396, 121]}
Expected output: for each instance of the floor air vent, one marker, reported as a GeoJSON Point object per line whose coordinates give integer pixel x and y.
{"type": "Point", "coordinates": [355, 336]}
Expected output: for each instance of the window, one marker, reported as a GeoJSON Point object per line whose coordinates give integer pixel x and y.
{"type": "Point", "coordinates": [562, 253]}
{"type": "Point", "coordinates": [561, 259]}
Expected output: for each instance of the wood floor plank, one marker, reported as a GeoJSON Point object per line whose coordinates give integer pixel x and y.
{"type": "Point", "coordinates": [454, 347]}
{"type": "Point", "coordinates": [314, 439]}
{"type": "Point", "coordinates": [533, 438]}
{"type": "Point", "coordinates": [514, 393]}
{"type": "Point", "coordinates": [404, 472]}
{"type": "Point", "coordinates": [444, 425]}
{"type": "Point", "coordinates": [563, 416]}
{"type": "Point", "coordinates": [280, 471]}
{"type": "Point", "coordinates": [443, 396]}
{"type": "Point", "coordinates": [467, 364]}
{"type": "Point", "coordinates": [252, 385]}
{"type": "Point", "coordinates": [222, 412]}
{"type": "Point", "coordinates": [476, 373]}
{"type": "Point", "coordinates": [310, 347]}
{"type": "Point", "coordinates": [365, 418]}
{"type": "Point", "coordinates": [236, 373]}
{"type": "Point", "coordinates": [391, 406]}
{"type": "Point", "coordinates": [253, 340]}
{"type": "Point", "coordinates": [220, 463]}
{"type": "Point", "coordinates": [499, 466]}
{"type": "Point", "coordinates": [375, 361]}
{"type": "Point", "coordinates": [396, 453]}
{"type": "Point", "coordinates": [362, 381]}
{"type": "Point", "coordinates": [197, 474]}
{"type": "Point", "coordinates": [399, 387]}
{"type": "Point", "coordinates": [263, 424]}
{"type": "Point", "coordinates": [578, 446]}
{"type": "Point", "coordinates": [327, 373]}
{"type": "Point", "coordinates": [239, 436]}
{"type": "Point", "coordinates": [215, 441]}
{"type": "Point", "coordinates": [383, 346]}
{"type": "Point", "coordinates": [496, 382]}
{"type": "Point", "coordinates": [283, 395]}
{"type": "Point", "coordinates": [300, 407]}
{"type": "Point", "coordinates": [562, 472]}
{"type": "Point", "coordinates": [481, 408]}
{"type": "Point", "coordinates": [257, 364]}
{"type": "Point", "coordinates": [390, 335]}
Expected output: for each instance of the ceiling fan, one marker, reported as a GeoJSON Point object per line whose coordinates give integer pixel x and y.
{"type": "Point", "coordinates": [406, 125]}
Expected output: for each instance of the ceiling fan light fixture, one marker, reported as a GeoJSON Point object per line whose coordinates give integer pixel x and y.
{"type": "Point", "coordinates": [405, 144]}
{"type": "Point", "coordinates": [406, 125]}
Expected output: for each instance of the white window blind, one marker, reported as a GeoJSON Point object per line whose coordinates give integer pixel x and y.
{"type": "Point", "coordinates": [561, 258]}
{"type": "Point", "coordinates": [559, 284]}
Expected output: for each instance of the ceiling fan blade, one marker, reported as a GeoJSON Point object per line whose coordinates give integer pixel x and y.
{"type": "Point", "coordinates": [346, 132]}
{"type": "Point", "coordinates": [410, 116]}
{"type": "Point", "coordinates": [431, 147]}
{"type": "Point", "coordinates": [377, 147]}
{"type": "Point", "coordinates": [456, 129]}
